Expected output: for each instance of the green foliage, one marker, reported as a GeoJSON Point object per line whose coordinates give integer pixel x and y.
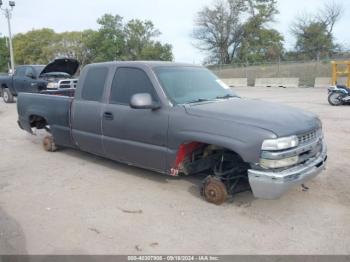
{"type": "Point", "coordinates": [260, 45]}
{"type": "Point", "coordinates": [314, 33]}
{"type": "Point", "coordinates": [314, 41]}
{"type": "Point", "coordinates": [4, 55]}
{"type": "Point", "coordinates": [258, 42]}
{"type": "Point", "coordinates": [75, 45]}
{"type": "Point", "coordinates": [112, 41]}
{"type": "Point", "coordinates": [157, 51]}
{"type": "Point", "coordinates": [108, 43]}
{"type": "Point", "coordinates": [34, 47]}
{"type": "Point", "coordinates": [139, 44]}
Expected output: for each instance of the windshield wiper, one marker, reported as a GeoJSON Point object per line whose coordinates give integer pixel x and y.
{"type": "Point", "coordinates": [225, 97]}
{"type": "Point", "coordinates": [199, 100]}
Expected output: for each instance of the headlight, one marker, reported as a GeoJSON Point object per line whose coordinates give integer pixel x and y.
{"type": "Point", "coordinates": [272, 164]}
{"type": "Point", "coordinates": [52, 85]}
{"type": "Point", "coordinates": [319, 122]}
{"type": "Point", "coordinates": [280, 143]}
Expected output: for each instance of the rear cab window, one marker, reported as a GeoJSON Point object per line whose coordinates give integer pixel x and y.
{"type": "Point", "coordinates": [94, 84]}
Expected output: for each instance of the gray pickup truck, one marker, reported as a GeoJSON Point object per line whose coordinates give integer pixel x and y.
{"type": "Point", "coordinates": [181, 120]}
{"type": "Point", "coordinates": [56, 76]}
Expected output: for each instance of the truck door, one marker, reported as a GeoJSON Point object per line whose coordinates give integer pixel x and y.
{"type": "Point", "coordinates": [19, 79]}
{"type": "Point", "coordinates": [134, 136]}
{"type": "Point", "coordinates": [87, 110]}
{"type": "Point", "coordinates": [30, 81]}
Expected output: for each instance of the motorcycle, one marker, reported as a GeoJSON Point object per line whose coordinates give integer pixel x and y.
{"type": "Point", "coordinates": [338, 95]}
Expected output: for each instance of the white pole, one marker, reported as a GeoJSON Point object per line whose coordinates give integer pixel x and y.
{"type": "Point", "coordinates": [8, 16]}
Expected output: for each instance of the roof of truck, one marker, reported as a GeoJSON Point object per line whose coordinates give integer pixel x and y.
{"type": "Point", "coordinates": [151, 64]}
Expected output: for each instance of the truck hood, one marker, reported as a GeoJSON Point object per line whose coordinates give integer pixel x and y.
{"type": "Point", "coordinates": [62, 65]}
{"type": "Point", "coordinates": [280, 119]}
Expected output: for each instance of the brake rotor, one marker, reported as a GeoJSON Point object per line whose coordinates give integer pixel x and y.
{"type": "Point", "coordinates": [49, 144]}
{"type": "Point", "coordinates": [215, 191]}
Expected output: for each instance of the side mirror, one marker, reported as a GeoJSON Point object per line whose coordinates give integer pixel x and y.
{"type": "Point", "coordinates": [30, 75]}
{"type": "Point", "coordinates": [143, 101]}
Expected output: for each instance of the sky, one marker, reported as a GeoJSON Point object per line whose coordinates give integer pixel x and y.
{"type": "Point", "coordinates": [174, 18]}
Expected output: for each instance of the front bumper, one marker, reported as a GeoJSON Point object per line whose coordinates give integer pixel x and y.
{"type": "Point", "coordinates": [272, 185]}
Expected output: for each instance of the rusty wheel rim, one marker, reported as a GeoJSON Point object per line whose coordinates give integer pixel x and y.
{"type": "Point", "coordinates": [5, 96]}
{"type": "Point", "coordinates": [215, 191]}
{"type": "Point", "coordinates": [47, 143]}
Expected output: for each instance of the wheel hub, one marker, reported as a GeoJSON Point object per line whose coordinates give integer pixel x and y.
{"type": "Point", "coordinates": [6, 97]}
{"type": "Point", "coordinates": [215, 191]}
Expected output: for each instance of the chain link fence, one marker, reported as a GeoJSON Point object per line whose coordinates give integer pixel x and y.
{"type": "Point", "coordinates": [306, 71]}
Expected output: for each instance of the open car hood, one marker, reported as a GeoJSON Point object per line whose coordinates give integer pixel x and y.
{"type": "Point", "coordinates": [62, 65]}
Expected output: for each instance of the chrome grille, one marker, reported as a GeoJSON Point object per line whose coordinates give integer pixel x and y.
{"type": "Point", "coordinates": [309, 137]}
{"type": "Point", "coordinates": [72, 83]}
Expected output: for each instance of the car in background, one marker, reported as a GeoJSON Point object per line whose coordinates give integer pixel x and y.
{"type": "Point", "coordinates": [57, 75]}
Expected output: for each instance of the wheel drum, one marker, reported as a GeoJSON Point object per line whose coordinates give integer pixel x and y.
{"type": "Point", "coordinates": [49, 144]}
{"type": "Point", "coordinates": [215, 191]}
{"type": "Point", "coordinates": [7, 96]}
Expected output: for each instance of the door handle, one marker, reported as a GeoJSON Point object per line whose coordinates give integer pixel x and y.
{"type": "Point", "coordinates": [108, 116]}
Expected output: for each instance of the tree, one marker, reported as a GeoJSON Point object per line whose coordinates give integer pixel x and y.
{"type": "Point", "coordinates": [133, 41]}
{"type": "Point", "coordinates": [139, 43]}
{"type": "Point", "coordinates": [4, 55]}
{"type": "Point", "coordinates": [313, 41]}
{"type": "Point", "coordinates": [75, 45]}
{"type": "Point", "coordinates": [235, 30]}
{"type": "Point", "coordinates": [157, 51]}
{"type": "Point", "coordinates": [108, 43]}
{"type": "Point", "coordinates": [219, 30]}
{"type": "Point", "coordinates": [314, 34]}
{"type": "Point", "coordinates": [260, 45]}
{"type": "Point", "coordinates": [34, 47]}
{"type": "Point", "coordinates": [114, 40]}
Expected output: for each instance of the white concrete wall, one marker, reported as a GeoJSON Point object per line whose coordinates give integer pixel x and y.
{"type": "Point", "coordinates": [325, 82]}
{"type": "Point", "coordinates": [277, 82]}
{"type": "Point", "coordinates": [236, 82]}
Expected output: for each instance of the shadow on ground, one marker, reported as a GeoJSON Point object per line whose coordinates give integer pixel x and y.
{"type": "Point", "coordinates": [12, 238]}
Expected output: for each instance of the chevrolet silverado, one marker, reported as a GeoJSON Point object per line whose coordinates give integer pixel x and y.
{"type": "Point", "coordinates": [180, 120]}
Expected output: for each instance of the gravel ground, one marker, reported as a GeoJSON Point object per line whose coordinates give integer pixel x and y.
{"type": "Point", "coordinates": [70, 202]}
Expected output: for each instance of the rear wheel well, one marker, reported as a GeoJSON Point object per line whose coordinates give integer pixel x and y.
{"type": "Point", "coordinates": [38, 122]}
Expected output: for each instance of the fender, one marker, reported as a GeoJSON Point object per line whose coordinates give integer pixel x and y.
{"type": "Point", "coordinates": [336, 89]}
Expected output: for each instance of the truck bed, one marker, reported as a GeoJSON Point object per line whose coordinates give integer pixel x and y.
{"type": "Point", "coordinates": [53, 109]}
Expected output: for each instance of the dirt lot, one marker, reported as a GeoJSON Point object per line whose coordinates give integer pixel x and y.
{"type": "Point", "coordinates": [71, 202]}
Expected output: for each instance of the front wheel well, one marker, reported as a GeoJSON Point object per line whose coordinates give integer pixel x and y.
{"type": "Point", "coordinates": [196, 157]}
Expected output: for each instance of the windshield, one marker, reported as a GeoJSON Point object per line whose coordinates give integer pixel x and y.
{"type": "Point", "coordinates": [186, 85]}
{"type": "Point", "coordinates": [38, 69]}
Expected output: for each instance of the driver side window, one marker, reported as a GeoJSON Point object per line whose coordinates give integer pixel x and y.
{"type": "Point", "coordinates": [130, 81]}
{"type": "Point", "coordinates": [20, 72]}
{"type": "Point", "coordinates": [29, 72]}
